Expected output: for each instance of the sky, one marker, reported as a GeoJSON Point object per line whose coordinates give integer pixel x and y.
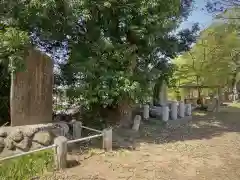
{"type": "Point", "coordinates": [200, 15]}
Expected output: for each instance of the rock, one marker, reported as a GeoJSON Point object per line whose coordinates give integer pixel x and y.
{"type": "Point", "coordinates": [24, 144]}
{"type": "Point", "coordinates": [30, 132]}
{"type": "Point", "coordinates": [2, 144]}
{"type": "Point", "coordinates": [9, 144]}
{"type": "Point", "coordinates": [17, 136]}
{"type": "Point", "coordinates": [43, 137]}
{"type": "Point", "coordinates": [35, 145]}
{"type": "Point", "coordinates": [63, 126]}
{"type": "Point", "coordinates": [3, 133]}
{"type": "Point", "coordinates": [57, 131]}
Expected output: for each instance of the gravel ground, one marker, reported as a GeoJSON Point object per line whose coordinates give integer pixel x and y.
{"type": "Point", "coordinates": [208, 147]}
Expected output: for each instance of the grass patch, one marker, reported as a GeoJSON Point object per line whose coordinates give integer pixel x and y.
{"type": "Point", "coordinates": [26, 167]}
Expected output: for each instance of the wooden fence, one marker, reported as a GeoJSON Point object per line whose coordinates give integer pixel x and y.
{"type": "Point", "coordinates": [61, 142]}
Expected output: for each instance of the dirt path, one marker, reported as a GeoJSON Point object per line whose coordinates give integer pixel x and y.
{"type": "Point", "coordinates": [206, 148]}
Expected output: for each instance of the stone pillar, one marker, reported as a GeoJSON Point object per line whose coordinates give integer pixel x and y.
{"type": "Point", "coordinates": [146, 111]}
{"type": "Point", "coordinates": [136, 122]}
{"type": "Point", "coordinates": [165, 113]}
{"type": "Point", "coordinates": [188, 109]}
{"type": "Point", "coordinates": [174, 110]}
{"type": "Point", "coordinates": [181, 109]}
{"type": "Point", "coordinates": [31, 91]}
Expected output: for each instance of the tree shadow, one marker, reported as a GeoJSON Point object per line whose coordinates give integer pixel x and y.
{"type": "Point", "coordinates": [204, 125]}
{"type": "Point", "coordinates": [72, 163]}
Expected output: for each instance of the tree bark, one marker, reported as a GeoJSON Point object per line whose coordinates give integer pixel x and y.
{"type": "Point", "coordinates": [31, 91]}
{"type": "Point", "coordinates": [125, 112]}
{"type": "Point", "coordinates": [156, 93]}
{"type": "Point", "coordinates": [125, 105]}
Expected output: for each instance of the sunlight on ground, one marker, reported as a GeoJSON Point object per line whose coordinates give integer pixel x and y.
{"type": "Point", "coordinates": [199, 114]}
{"type": "Point", "coordinates": [236, 105]}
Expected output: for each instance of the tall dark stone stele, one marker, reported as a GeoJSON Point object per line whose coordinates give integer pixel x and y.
{"type": "Point", "coordinates": [31, 91]}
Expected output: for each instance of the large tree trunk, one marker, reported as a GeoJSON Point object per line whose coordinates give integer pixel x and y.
{"type": "Point", "coordinates": [156, 93]}
{"type": "Point", "coordinates": [125, 112]}
{"type": "Point", "coordinates": [160, 93]}
{"type": "Point", "coordinates": [31, 91]}
{"type": "Point", "coordinates": [125, 105]}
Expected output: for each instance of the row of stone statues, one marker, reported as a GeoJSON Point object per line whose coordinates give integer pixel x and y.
{"type": "Point", "coordinates": [171, 111]}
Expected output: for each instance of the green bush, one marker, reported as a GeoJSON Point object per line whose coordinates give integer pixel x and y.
{"type": "Point", "coordinates": [26, 167]}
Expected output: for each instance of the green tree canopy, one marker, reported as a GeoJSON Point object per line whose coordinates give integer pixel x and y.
{"type": "Point", "coordinates": [115, 49]}
{"type": "Point", "coordinates": [214, 59]}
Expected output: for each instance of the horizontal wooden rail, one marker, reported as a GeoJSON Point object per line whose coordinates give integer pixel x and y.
{"type": "Point", "coordinates": [27, 153]}
{"type": "Point", "coordinates": [91, 129]}
{"type": "Point", "coordinates": [85, 138]}
{"type": "Point", "coordinates": [61, 142]}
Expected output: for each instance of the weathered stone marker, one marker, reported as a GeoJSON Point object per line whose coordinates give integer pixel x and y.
{"type": "Point", "coordinates": [174, 110]}
{"type": "Point", "coordinates": [61, 152]}
{"type": "Point", "coordinates": [136, 122]}
{"type": "Point", "coordinates": [107, 139]}
{"type": "Point", "coordinates": [31, 91]}
{"type": "Point", "coordinates": [146, 111]}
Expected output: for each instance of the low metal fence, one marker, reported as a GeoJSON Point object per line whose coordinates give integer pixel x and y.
{"type": "Point", "coordinates": [61, 142]}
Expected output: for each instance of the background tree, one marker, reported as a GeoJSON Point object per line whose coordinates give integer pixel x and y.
{"type": "Point", "coordinates": [124, 43]}
{"type": "Point", "coordinates": [113, 48]}
{"type": "Point", "coordinates": [214, 59]}
{"type": "Point", "coordinates": [219, 6]}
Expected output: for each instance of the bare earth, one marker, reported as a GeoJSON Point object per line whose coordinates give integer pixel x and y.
{"type": "Point", "coordinates": [206, 148]}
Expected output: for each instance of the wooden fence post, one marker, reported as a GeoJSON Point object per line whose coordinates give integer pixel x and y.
{"type": "Point", "coordinates": [107, 139]}
{"type": "Point", "coordinates": [61, 152]}
{"type": "Point", "coordinates": [77, 129]}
